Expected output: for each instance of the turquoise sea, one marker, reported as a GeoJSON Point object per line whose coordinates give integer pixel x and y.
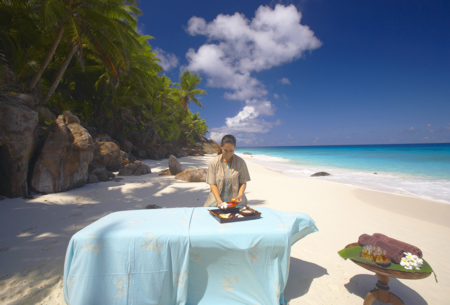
{"type": "Point", "coordinates": [421, 170]}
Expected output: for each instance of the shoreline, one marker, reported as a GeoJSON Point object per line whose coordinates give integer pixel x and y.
{"type": "Point", "coordinates": [36, 232]}
{"type": "Point", "coordinates": [367, 185]}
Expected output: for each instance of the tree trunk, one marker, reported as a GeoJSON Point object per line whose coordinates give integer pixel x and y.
{"type": "Point", "coordinates": [59, 75]}
{"type": "Point", "coordinates": [47, 59]}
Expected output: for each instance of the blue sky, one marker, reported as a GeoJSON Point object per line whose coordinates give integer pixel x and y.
{"type": "Point", "coordinates": [311, 72]}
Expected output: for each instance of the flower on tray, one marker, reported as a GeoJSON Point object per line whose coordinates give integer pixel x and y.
{"type": "Point", "coordinates": [410, 261]}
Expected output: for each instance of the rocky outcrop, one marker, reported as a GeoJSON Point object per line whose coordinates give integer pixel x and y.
{"type": "Point", "coordinates": [62, 164]}
{"type": "Point", "coordinates": [175, 166]}
{"type": "Point", "coordinates": [193, 175]}
{"type": "Point", "coordinates": [108, 154]}
{"type": "Point", "coordinates": [319, 174]}
{"type": "Point", "coordinates": [18, 134]}
{"type": "Point", "coordinates": [136, 168]}
{"type": "Point", "coordinates": [200, 148]}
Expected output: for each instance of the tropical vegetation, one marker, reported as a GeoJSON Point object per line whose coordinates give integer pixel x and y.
{"type": "Point", "coordinates": [86, 56]}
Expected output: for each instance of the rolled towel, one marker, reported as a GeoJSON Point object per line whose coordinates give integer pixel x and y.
{"type": "Point", "coordinates": [394, 252]}
{"type": "Point", "coordinates": [404, 246]}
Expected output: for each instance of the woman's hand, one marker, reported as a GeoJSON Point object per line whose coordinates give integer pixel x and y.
{"type": "Point", "coordinates": [238, 199]}
{"type": "Point", "coordinates": [219, 202]}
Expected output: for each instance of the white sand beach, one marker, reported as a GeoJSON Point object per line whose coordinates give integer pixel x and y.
{"type": "Point", "coordinates": [34, 233]}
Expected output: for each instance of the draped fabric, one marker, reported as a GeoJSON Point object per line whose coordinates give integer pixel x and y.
{"type": "Point", "coordinates": [182, 256]}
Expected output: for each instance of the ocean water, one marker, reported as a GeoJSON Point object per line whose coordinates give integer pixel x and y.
{"type": "Point", "coordinates": [421, 170]}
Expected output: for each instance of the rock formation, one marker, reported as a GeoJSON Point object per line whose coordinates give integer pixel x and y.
{"type": "Point", "coordinates": [193, 175]}
{"type": "Point", "coordinates": [136, 168]}
{"type": "Point", "coordinates": [18, 135]}
{"type": "Point", "coordinates": [62, 163]}
{"type": "Point", "coordinates": [320, 174]}
{"type": "Point", "coordinates": [108, 154]}
{"type": "Point", "coordinates": [175, 166]}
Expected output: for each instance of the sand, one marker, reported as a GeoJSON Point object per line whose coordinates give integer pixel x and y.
{"type": "Point", "coordinates": [34, 233]}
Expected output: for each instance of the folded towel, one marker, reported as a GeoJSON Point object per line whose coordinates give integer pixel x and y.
{"type": "Point", "coordinates": [405, 247]}
{"type": "Point", "coordinates": [394, 252]}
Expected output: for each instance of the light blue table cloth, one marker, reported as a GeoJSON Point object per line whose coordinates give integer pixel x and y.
{"type": "Point", "coordinates": [182, 256]}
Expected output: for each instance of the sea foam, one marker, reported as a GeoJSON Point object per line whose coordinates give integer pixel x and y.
{"type": "Point", "coordinates": [396, 183]}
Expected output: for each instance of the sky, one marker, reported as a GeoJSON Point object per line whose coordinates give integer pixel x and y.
{"type": "Point", "coordinates": [311, 72]}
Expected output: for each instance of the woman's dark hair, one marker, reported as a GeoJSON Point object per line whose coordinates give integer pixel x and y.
{"type": "Point", "coordinates": [227, 139]}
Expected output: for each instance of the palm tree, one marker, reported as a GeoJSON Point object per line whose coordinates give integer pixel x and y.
{"type": "Point", "coordinates": [195, 122]}
{"type": "Point", "coordinates": [104, 26]}
{"type": "Point", "coordinates": [188, 89]}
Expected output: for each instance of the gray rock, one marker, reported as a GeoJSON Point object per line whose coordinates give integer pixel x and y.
{"type": "Point", "coordinates": [152, 206]}
{"type": "Point", "coordinates": [175, 166]}
{"type": "Point", "coordinates": [18, 139]}
{"type": "Point", "coordinates": [92, 179]}
{"type": "Point", "coordinates": [136, 168]}
{"type": "Point", "coordinates": [320, 174]}
{"type": "Point", "coordinates": [108, 154]}
{"type": "Point", "coordinates": [101, 173]}
{"type": "Point", "coordinates": [193, 175]}
{"type": "Point", "coordinates": [65, 156]}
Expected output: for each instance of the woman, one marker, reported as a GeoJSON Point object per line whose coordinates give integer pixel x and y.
{"type": "Point", "coordinates": [227, 175]}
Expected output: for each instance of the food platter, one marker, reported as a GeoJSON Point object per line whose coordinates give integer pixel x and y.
{"type": "Point", "coordinates": [216, 212]}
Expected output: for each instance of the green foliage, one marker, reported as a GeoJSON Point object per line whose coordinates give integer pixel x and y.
{"type": "Point", "coordinates": [115, 84]}
{"type": "Point", "coordinates": [353, 254]}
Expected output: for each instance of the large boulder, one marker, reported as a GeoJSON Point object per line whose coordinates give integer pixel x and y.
{"type": "Point", "coordinates": [136, 168]}
{"type": "Point", "coordinates": [108, 154]}
{"type": "Point", "coordinates": [175, 166]}
{"type": "Point", "coordinates": [193, 175]}
{"type": "Point", "coordinates": [18, 135]}
{"type": "Point", "coordinates": [63, 161]}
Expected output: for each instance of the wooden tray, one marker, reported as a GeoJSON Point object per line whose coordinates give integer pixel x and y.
{"type": "Point", "coordinates": [216, 212]}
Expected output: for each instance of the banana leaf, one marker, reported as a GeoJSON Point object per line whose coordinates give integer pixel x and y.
{"type": "Point", "coordinates": [353, 254]}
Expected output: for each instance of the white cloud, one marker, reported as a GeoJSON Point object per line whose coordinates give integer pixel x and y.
{"type": "Point", "coordinates": [168, 60]}
{"type": "Point", "coordinates": [247, 120]}
{"type": "Point", "coordinates": [429, 125]}
{"type": "Point", "coordinates": [276, 96]}
{"type": "Point", "coordinates": [238, 47]}
{"type": "Point", "coordinates": [285, 81]}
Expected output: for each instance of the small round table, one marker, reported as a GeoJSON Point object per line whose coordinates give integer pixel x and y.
{"type": "Point", "coordinates": [381, 291]}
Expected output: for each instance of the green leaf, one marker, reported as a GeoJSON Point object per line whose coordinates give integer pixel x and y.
{"type": "Point", "coordinates": [353, 254]}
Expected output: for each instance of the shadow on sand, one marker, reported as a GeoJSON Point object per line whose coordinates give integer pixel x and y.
{"type": "Point", "coordinates": [301, 276]}
{"type": "Point", "coordinates": [361, 284]}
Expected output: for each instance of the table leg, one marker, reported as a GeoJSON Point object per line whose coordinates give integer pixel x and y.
{"type": "Point", "coordinates": [382, 293]}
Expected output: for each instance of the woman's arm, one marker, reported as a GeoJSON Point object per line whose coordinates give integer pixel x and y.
{"type": "Point", "coordinates": [241, 192]}
{"type": "Point", "coordinates": [215, 191]}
